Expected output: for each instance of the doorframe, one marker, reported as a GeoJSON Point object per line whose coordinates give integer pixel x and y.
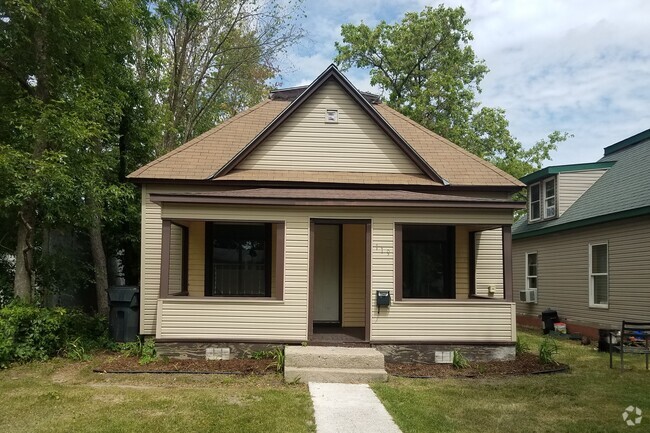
{"type": "Point", "coordinates": [310, 296]}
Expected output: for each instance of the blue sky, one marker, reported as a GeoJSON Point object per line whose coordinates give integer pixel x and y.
{"type": "Point", "coordinates": [577, 66]}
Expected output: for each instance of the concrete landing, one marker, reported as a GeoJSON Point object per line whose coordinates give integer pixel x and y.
{"type": "Point", "coordinates": [343, 408]}
{"type": "Point", "coordinates": [333, 364]}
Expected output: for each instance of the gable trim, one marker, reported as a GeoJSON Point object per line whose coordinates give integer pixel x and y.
{"type": "Point", "coordinates": [332, 72]}
{"type": "Point", "coordinates": [556, 169]}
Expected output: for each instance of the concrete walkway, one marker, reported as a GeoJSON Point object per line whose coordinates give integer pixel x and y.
{"type": "Point", "coordinates": [343, 408]}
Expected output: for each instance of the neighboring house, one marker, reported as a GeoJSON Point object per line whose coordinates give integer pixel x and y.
{"type": "Point", "coordinates": [585, 247]}
{"type": "Point", "coordinates": [282, 225]}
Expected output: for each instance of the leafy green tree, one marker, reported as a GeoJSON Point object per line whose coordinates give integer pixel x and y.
{"type": "Point", "coordinates": [75, 118]}
{"type": "Point", "coordinates": [431, 74]}
{"type": "Point", "coordinates": [217, 56]}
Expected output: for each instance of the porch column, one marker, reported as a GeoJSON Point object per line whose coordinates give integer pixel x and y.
{"type": "Point", "coordinates": [164, 258]}
{"type": "Point", "coordinates": [506, 243]}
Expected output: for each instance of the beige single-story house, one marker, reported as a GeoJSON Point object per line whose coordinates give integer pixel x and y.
{"type": "Point", "coordinates": [584, 249]}
{"type": "Point", "coordinates": [323, 216]}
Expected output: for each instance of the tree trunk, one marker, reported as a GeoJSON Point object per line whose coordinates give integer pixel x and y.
{"type": "Point", "coordinates": [24, 273]}
{"type": "Point", "coordinates": [99, 258]}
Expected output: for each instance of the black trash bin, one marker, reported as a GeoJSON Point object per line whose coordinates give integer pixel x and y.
{"type": "Point", "coordinates": [549, 319]}
{"type": "Point", "coordinates": [124, 317]}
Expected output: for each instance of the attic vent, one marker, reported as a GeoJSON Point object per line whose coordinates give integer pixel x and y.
{"type": "Point", "coordinates": [332, 116]}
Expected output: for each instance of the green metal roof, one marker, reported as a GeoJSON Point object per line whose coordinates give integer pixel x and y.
{"type": "Point", "coordinates": [622, 192]}
{"type": "Point", "coordinates": [555, 169]}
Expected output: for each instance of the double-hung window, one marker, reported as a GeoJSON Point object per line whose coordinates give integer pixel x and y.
{"type": "Point", "coordinates": [598, 275]}
{"type": "Point", "coordinates": [542, 200]}
{"type": "Point", "coordinates": [549, 198]}
{"type": "Point", "coordinates": [534, 211]}
{"type": "Point", "coordinates": [531, 270]}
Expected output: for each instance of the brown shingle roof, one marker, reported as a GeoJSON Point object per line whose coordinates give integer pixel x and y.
{"type": "Point", "coordinates": [451, 161]}
{"type": "Point", "coordinates": [200, 158]}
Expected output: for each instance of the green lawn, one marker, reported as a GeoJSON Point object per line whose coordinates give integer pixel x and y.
{"type": "Point", "coordinates": [590, 398]}
{"type": "Point", "coordinates": [63, 396]}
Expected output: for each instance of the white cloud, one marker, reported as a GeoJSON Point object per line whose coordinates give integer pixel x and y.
{"type": "Point", "coordinates": [578, 66]}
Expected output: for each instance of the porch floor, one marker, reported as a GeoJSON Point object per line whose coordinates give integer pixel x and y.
{"type": "Point", "coordinates": [333, 335]}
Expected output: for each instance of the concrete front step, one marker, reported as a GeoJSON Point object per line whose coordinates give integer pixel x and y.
{"type": "Point", "coordinates": [333, 364]}
{"type": "Point", "coordinates": [334, 375]}
{"type": "Point", "coordinates": [333, 357]}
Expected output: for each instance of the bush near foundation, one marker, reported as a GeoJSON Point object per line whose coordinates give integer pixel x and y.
{"type": "Point", "coordinates": [29, 333]}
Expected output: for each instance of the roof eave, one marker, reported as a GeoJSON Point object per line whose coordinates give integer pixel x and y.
{"type": "Point", "coordinates": [556, 169]}
{"type": "Point", "coordinates": [630, 213]}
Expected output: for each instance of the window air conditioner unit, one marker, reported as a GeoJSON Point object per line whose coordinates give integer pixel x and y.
{"type": "Point", "coordinates": [528, 296]}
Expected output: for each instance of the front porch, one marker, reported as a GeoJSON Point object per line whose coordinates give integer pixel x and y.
{"type": "Point", "coordinates": [476, 309]}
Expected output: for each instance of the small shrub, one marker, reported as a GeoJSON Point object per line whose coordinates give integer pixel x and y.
{"type": "Point", "coordinates": [459, 361]}
{"type": "Point", "coordinates": [521, 347]}
{"type": "Point", "coordinates": [261, 354]}
{"type": "Point", "coordinates": [75, 350]}
{"type": "Point", "coordinates": [547, 351]}
{"type": "Point", "coordinates": [148, 352]}
{"type": "Point", "coordinates": [278, 357]}
{"type": "Point", "coordinates": [29, 333]}
{"type": "Point", "coordinates": [145, 349]}
{"type": "Point", "coordinates": [132, 348]}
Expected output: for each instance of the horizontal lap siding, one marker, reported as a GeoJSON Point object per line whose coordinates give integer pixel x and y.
{"type": "Point", "coordinates": [445, 321]}
{"type": "Point", "coordinates": [489, 262]}
{"type": "Point", "coordinates": [571, 185]}
{"type": "Point", "coordinates": [440, 320]}
{"type": "Point", "coordinates": [306, 142]}
{"type": "Point", "coordinates": [151, 231]}
{"type": "Point", "coordinates": [193, 318]}
{"type": "Point", "coordinates": [462, 262]}
{"type": "Point", "coordinates": [175, 259]}
{"type": "Point", "coordinates": [563, 279]}
{"type": "Point", "coordinates": [196, 259]}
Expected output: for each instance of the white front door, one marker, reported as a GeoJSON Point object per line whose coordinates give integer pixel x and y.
{"type": "Point", "coordinates": [327, 271]}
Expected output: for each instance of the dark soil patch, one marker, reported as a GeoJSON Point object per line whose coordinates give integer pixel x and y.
{"type": "Point", "coordinates": [129, 364]}
{"type": "Point", "coordinates": [523, 364]}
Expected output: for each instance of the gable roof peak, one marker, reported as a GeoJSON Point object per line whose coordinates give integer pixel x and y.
{"type": "Point", "coordinates": [332, 73]}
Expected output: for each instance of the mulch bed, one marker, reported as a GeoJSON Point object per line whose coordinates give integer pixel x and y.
{"type": "Point", "coordinates": [522, 365]}
{"type": "Point", "coordinates": [129, 364]}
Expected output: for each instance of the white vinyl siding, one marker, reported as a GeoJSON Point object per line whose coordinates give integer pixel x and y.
{"type": "Point", "coordinates": [563, 272]}
{"type": "Point", "coordinates": [598, 292]}
{"type": "Point", "coordinates": [286, 320]}
{"type": "Point", "coordinates": [571, 185]}
{"type": "Point", "coordinates": [305, 141]}
{"type": "Point", "coordinates": [489, 262]}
